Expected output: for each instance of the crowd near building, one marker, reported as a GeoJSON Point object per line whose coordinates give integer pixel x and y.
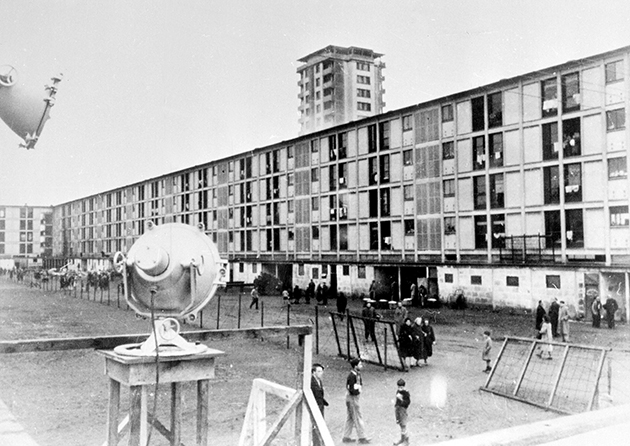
{"type": "Point", "coordinates": [509, 193]}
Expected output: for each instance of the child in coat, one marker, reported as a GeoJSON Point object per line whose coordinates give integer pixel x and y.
{"type": "Point", "coordinates": [487, 347]}
{"type": "Point", "coordinates": [403, 399]}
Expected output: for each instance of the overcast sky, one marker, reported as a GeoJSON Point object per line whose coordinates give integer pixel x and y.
{"type": "Point", "coordinates": [156, 86]}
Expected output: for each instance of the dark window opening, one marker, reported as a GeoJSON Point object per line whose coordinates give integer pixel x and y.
{"type": "Point", "coordinates": [478, 115]}
{"type": "Point", "coordinates": [495, 110]}
{"type": "Point", "coordinates": [550, 144]}
{"type": "Point", "coordinates": [571, 137]}
{"type": "Point", "coordinates": [551, 177]}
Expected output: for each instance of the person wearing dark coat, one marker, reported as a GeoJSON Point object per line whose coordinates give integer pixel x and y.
{"type": "Point", "coordinates": [429, 339]}
{"type": "Point", "coordinates": [342, 303]}
{"type": "Point", "coordinates": [611, 308]}
{"type": "Point", "coordinates": [369, 315]}
{"type": "Point", "coordinates": [297, 294]}
{"type": "Point", "coordinates": [554, 311]}
{"type": "Point", "coordinates": [317, 387]}
{"type": "Point", "coordinates": [310, 292]}
{"type": "Point", "coordinates": [419, 349]}
{"type": "Point", "coordinates": [406, 342]}
{"type": "Point", "coordinates": [540, 312]}
{"type": "Point", "coordinates": [596, 311]}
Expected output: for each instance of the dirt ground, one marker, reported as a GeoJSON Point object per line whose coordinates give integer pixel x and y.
{"type": "Point", "coordinates": [61, 397]}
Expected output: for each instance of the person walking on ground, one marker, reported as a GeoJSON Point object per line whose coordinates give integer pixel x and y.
{"type": "Point", "coordinates": [317, 387]}
{"type": "Point", "coordinates": [611, 308]}
{"type": "Point", "coordinates": [540, 312]}
{"type": "Point", "coordinates": [402, 402]}
{"type": "Point", "coordinates": [413, 293]}
{"type": "Point", "coordinates": [342, 303]}
{"type": "Point", "coordinates": [419, 345]}
{"type": "Point", "coordinates": [596, 312]}
{"type": "Point", "coordinates": [255, 298]}
{"type": "Point", "coordinates": [372, 290]}
{"type": "Point", "coordinates": [297, 294]}
{"type": "Point", "coordinates": [400, 314]}
{"type": "Point", "coordinates": [354, 417]}
{"type": "Point", "coordinates": [369, 316]}
{"type": "Point", "coordinates": [545, 331]}
{"type": "Point", "coordinates": [563, 318]}
{"type": "Point", "coordinates": [310, 292]}
{"type": "Point", "coordinates": [487, 348]}
{"type": "Point", "coordinates": [554, 311]}
{"type": "Point", "coordinates": [429, 339]}
{"type": "Point", "coordinates": [406, 344]}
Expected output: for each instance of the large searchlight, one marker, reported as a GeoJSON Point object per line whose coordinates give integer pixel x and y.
{"type": "Point", "coordinates": [171, 272]}
{"type": "Point", "coordinates": [25, 109]}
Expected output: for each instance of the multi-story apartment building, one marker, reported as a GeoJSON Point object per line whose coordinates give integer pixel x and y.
{"type": "Point", "coordinates": [25, 235]}
{"type": "Point", "coordinates": [339, 85]}
{"type": "Point", "coordinates": [511, 192]}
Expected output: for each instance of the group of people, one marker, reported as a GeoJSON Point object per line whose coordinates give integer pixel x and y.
{"type": "Point", "coordinates": [354, 415]}
{"type": "Point", "coordinates": [606, 311]}
{"type": "Point", "coordinates": [557, 317]}
{"type": "Point", "coordinates": [416, 340]}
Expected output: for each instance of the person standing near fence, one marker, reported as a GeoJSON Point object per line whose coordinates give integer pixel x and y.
{"type": "Point", "coordinates": [342, 303]}
{"type": "Point", "coordinates": [369, 316]}
{"type": "Point", "coordinates": [317, 387]}
{"type": "Point", "coordinates": [255, 298]}
{"type": "Point", "coordinates": [545, 331]}
{"type": "Point", "coordinates": [487, 348]}
{"type": "Point", "coordinates": [400, 314]}
{"type": "Point", "coordinates": [596, 312]}
{"type": "Point", "coordinates": [563, 320]}
{"type": "Point", "coordinates": [554, 311]}
{"type": "Point", "coordinates": [310, 292]}
{"type": "Point", "coordinates": [611, 308]}
{"type": "Point", "coordinates": [354, 417]}
{"type": "Point", "coordinates": [540, 312]}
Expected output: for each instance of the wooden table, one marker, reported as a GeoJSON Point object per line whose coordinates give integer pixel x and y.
{"type": "Point", "coordinates": [139, 373]}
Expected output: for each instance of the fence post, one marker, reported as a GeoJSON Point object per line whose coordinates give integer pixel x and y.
{"type": "Point", "coordinates": [238, 324]}
{"type": "Point", "coordinates": [316, 330]}
{"type": "Point", "coordinates": [108, 299]}
{"type": "Point", "coordinates": [118, 296]}
{"type": "Point", "coordinates": [218, 310]}
{"type": "Point", "coordinates": [288, 321]}
{"type": "Point", "coordinates": [262, 313]}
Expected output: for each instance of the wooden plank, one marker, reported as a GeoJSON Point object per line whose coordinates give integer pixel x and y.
{"type": "Point", "coordinates": [284, 392]}
{"type": "Point", "coordinates": [176, 414]}
{"type": "Point", "coordinates": [491, 374]}
{"type": "Point", "coordinates": [563, 361]}
{"type": "Point", "coordinates": [203, 397]}
{"type": "Point", "coordinates": [519, 381]}
{"type": "Point", "coordinates": [113, 412]}
{"type": "Point", "coordinates": [600, 368]}
{"type": "Point", "coordinates": [317, 417]}
{"type": "Point", "coordinates": [282, 418]}
{"type": "Point", "coordinates": [135, 418]}
{"type": "Point", "coordinates": [109, 342]}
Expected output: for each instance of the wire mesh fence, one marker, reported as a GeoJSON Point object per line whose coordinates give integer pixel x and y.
{"type": "Point", "coordinates": [568, 382]}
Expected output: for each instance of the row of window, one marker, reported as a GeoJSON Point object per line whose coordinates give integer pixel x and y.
{"type": "Point", "coordinates": [551, 281]}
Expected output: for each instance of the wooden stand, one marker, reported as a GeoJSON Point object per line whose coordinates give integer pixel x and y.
{"type": "Point", "coordinates": [139, 374]}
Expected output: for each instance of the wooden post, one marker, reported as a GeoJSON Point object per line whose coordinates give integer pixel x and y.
{"type": "Point", "coordinates": [557, 379]}
{"type": "Point", "coordinates": [203, 391]}
{"type": "Point", "coordinates": [288, 322]}
{"type": "Point", "coordinates": [238, 324]}
{"type": "Point", "coordinates": [385, 349]}
{"type": "Point", "coordinates": [218, 310]}
{"type": "Point", "coordinates": [176, 414]}
{"type": "Point", "coordinates": [316, 330]}
{"type": "Point", "coordinates": [113, 412]}
{"type": "Point", "coordinates": [262, 313]}
{"type": "Point", "coordinates": [600, 367]}
{"type": "Point", "coordinates": [522, 374]}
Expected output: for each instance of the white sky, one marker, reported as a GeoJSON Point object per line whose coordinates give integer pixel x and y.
{"type": "Point", "coordinates": [154, 86]}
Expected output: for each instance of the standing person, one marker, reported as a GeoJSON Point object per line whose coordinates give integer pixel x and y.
{"type": "Point", "coordinates": [403, 400]}
{"type": "Point", "coordinates": [419, 346]}
{"type": "Point", "coordinates": [297, 294]}
{"type": "Point", "coordinates": [310, 292]}
{"type": "Point", "coordinates": [325, 292]}
{"type": "Point", "coordinates": [487, 348]}
{"type": "Point", "coordinates": [611, 308]}
{"type": "Point", "coordinates": [546, 335]}
{"type": "Point", "coordinates": [400, 314]}
{"type": "Point", "coordinates": [554, 311]}
{"type": "Point", "coordinates": [342, 303]}
{"type": "Point", "coordinates": [318, 293]}
{"type": "Point", "coordinates": [354, 418]}
{"type": "Point", "coordinates": [372, 290]}
{"type": "Point", "coordinates": [429, 339]}
{"type": "Point", "coordinates": [286, 299]}
{"type": "Point", "coordinates": [369, 315]}
{"type": "Point", "coordinates": [394, 291]}
{"type": "Point", "coordinates": [413, 293]}
{"type": "Point", "coordinates": [255, 298]}
{"type": "Point", "coordinates": [596, 311]}
{"type": "Point", "coordinates": [406, 345]}
{"type": "Point", "coordinates": [540, 312]}
{"type": "Point", "coordinates": [317, 387]}
{"type": "Point", "coordinates": [563, 318]}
